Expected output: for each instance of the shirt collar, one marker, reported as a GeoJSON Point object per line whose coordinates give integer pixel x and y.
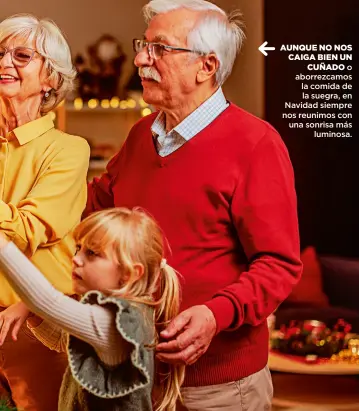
{"type": "Point", "coordinates": [158, 126]}
{"type": "Point", "coordinates": [197, 120]}
{"type": "Point", "coordinates": [33, 129]}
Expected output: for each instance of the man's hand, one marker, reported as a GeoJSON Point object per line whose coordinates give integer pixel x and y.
{"type": "Point", "coordinates": [13, 317]}
{"type": "Point", "coordinates": [189, 335]}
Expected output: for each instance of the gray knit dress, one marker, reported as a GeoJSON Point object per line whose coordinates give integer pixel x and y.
{"type": "Point", "coordinates": [90, 385]}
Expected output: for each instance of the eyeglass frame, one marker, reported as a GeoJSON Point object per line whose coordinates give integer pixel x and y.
{"type": "Point", "coordinates": [163, 47]}
{"type": "Point", "coordinates": [11, 51]}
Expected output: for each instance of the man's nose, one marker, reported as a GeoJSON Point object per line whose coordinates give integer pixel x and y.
{"type": "Point", "coordinates": [143, 58]}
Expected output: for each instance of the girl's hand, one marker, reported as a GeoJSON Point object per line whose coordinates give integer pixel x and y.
{"type": "Point", "coordinates": [13, 318]}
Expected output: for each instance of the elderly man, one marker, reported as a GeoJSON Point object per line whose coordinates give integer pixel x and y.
{"type": "Point", "coordinates": [220, 183]}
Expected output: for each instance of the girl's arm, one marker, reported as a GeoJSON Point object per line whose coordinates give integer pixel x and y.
{"type": "Point", "coordinates": [93, 324]}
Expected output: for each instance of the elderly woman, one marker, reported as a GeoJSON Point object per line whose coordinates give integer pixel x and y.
{"type": "Point", "coordinates": [42, 195]}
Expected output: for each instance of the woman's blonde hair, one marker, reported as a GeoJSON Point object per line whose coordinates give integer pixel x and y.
{"type": "Point", "coordinates": [51, 45]}
{"type": "Point", "coordinates": [133, 237]}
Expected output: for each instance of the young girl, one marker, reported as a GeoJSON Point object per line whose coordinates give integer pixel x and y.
{"type": "Point", "coordinates": [130, 295]}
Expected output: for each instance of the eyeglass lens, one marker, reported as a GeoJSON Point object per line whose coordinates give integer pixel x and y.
{"type": "Point", "coordinates": [21, 56]}
{"type": "Point", "coordinates": [155, 50]}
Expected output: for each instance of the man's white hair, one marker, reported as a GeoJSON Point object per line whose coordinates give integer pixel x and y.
{"type": "Point", "coordinates": [50, 44]}
{"type": "Point", "coordinates": [216, 32]}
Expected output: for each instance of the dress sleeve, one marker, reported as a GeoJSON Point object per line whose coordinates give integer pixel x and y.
{"type": "Point", "coordinates": [133, 323]}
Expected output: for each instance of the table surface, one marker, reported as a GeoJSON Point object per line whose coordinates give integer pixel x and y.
{"type": "Point", "coordinates": [279, 362]}
{"type": "Point", "coordinates": [314, 392]}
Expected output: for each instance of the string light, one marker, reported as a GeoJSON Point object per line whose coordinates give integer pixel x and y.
{"type": "Point", "coordinates": [92, 103]}
{"type": "Point", "coordinates": [131, 103]}
{"type": "Point", "coordinates": [78, 103]}
{"type": "Point", "coordinates": [105, 103]}
{"type": "Point", "coordinates": [115, 102]}
{"type": "Point", "coordinates": [123, 104]}
{"type": "Point", "coordinates": [145, 112]}
{"type": "Point", "coordinates": [142, 103]}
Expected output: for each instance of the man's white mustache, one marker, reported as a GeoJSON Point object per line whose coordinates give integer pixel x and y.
{"type": "Point", "coordinates": [149, 73]}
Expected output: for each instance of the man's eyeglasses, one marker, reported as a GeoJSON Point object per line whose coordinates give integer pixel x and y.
{"type": "Point", "coordinates": [155, 50]}
{"type": "Point", "coordinates": [21, 56]}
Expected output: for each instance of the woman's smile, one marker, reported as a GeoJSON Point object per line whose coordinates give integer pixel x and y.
{"type": "Point", "coordinates": [7, 78]}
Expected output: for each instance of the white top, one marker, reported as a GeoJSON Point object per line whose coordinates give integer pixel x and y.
{"type": "Point", "coordinates": [93, 324]}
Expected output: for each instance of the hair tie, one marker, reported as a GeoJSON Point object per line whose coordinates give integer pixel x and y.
{"type": "Point", "coordinates": [163, 263]}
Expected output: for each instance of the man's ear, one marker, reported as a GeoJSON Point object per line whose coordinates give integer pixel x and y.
{"type": "Point", "coordinates": [209, 67]}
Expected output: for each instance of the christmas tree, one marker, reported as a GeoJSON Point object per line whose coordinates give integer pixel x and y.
{"type": "Point", "coordinates": [4, 406]}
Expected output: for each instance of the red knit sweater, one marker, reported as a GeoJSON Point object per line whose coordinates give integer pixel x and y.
{"type": "Point", "coordinates": [227, 204]}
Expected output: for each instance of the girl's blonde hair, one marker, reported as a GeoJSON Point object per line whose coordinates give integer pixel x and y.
{"type": "Point", "coordinates": [133, 237]}
{"type": "Point", "coordinates": [51, 44]}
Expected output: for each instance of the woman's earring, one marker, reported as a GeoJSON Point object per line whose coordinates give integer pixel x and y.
{"type": "Point", "coordinates": [47, 94]}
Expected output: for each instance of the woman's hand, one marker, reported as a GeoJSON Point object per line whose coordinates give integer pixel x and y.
{"type": "Point", "coordinates": [13, 318]}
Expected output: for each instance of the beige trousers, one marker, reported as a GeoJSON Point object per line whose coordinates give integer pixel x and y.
{"type": "Point", "coordinates": [253, 393]}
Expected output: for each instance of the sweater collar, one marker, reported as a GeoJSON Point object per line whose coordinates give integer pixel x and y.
{"type": "Point", "coordinates": [32, 130]}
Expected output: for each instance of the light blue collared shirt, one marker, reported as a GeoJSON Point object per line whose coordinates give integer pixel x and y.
{"type": "Point", "coordinates": [199, 119]}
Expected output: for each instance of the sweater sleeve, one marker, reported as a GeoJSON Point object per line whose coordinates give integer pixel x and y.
{"type": "Point", "coordinates": [99, 191]}
{"type": "Point", "coordinates": [264, 211]}
{"type": "Point", "coordinates": [53, 206]}
{"type": "Point", "coordinates": [91, 323]}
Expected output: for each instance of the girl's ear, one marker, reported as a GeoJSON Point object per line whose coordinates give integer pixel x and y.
{"type": "Point", "coordinates": [139, 271]}
{"type": "Point", "coordinates": [126, 278]}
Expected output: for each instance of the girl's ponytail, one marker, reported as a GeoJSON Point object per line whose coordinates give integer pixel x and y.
{"type": "Point", "coordinates": [169, 376]}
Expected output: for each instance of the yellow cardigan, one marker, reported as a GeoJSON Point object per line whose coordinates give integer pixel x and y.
{"type": "Point", "coordinates": [42, 195]}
